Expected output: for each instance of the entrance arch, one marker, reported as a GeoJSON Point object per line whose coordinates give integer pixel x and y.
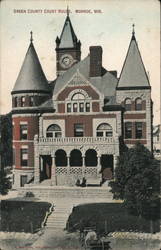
{"type": "Point", "coordinates": [107, 166]}
{"type": "Point", "coordinates": [75, 158]}
{"type": "Point", "coordinates": [91, 158]}
{"type": "Point", "coordinates": [60, 158]}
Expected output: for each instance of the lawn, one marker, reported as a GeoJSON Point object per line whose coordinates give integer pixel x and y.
{"type": "Point", "coordinates": [22, 215]}
{"type": "Point", "coordinates": [108, 217]}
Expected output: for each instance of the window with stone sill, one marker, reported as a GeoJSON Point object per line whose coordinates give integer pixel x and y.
{"type": "Point", "coordinates": [53, 131]}
{"type": "Point", "coordinates": [104, 130]}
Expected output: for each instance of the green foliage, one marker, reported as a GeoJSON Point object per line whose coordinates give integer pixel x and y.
{"type": "Point", "coordinates": [6, 140]}
{"type": "Point", "coordinates": [5, 183]}
{"type": "Point", "coordinates": [136, 179]}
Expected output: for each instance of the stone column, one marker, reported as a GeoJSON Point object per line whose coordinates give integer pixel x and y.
{"type": "Point", "coordinates": [115, 162]}
{"type": "Point", "coordinates": [53, 171]}
{"type": "Point", "coordinates": [98, 164]}
{"type": "Point", "coordinates": [83, 166]}
{"type": "Point", "coordinates": [68, 164]}
{"type": "Point", "coordinates": [36, 169]}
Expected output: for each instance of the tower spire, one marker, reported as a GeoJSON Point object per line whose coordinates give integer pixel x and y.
{"type": "Point", "coordinates": [31, 36]}
{"type": "Point", "coordinates": [67, 10]}
{"type": "Point", "coordinates": [133, 30]}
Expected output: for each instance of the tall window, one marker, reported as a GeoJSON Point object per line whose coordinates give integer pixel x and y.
{"type": "Point", "coordinates": [78, 130]}
{"type": "Point", "coordinates": [104, 130]}
{"type": "Point", "coordinates": [128, 104]}
{"type": "Point", "coordinates": [75, 107]}
{"type": "Point", "coordinates": [23, 101]}
{"type": "Point", "coordinates": [138, 130]}
{"type": "Point", "coordinates": [53, 131]}
{"type": "Point", "coordinates": [69, 107]}
{"type": "Point", "coordinates": [23, 131]}
{"type": "Point", "coordinates": [128, 130]}
{"type": "Point", "coordinates": [138, 104]}
{"type": "Point", "coordinates": [81, 107]}
{"type": "Point", "coordinates": [24, 157]}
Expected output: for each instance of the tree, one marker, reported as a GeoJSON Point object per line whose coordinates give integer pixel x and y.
{"type": "Point", "coordinates": [5, 183]}
{"type": "Point", "coordinates": [136, 179]}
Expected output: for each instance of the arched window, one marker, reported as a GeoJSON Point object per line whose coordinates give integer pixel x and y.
{"type": "Point", "coordinates": [128, 104]}
{"type": "Point", "coordinates": [78, 96]}
{"type": "Point", "coordinates": [60, 158]}
{"type": "Point", "coordinates": [104, 130]}
{"type": "Point", "coordinates": [91, 158]}
{"type": "Point", "coordinates": [53, 131]}
{"type": "Point", "coordinates": [75, 158]}
{"type": "Point", "coordinates": [138, 104]}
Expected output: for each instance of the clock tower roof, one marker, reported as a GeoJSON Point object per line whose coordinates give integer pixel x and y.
{"type": "Point", "coordinates": [68, 37]}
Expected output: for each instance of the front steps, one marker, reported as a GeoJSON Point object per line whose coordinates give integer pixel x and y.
{"type": "Point", "coordinates": [53, 192]}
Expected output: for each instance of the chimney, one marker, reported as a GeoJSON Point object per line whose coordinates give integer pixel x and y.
{"type": "Point", "coordinates": [95, 61]}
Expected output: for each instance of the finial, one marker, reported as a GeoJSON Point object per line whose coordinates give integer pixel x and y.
{"type": "Point", "coordinates": [31, 37]}
{"type": "Point", "coordinates": [133, 29]}
{"type": "Point", "coordinates": [67, 10]}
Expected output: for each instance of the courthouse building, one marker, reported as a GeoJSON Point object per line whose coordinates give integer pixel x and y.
{"type": "Point", "coordinates": [71, 127]}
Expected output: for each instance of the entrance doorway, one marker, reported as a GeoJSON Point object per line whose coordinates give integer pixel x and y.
{"type": "Point", "coordinates": [107, 167]}
{"type": "Point", "coordinates": [45, 171]}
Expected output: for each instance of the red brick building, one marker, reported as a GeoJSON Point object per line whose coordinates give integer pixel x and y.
{"type": "Point", "coordinates": [70, 128]}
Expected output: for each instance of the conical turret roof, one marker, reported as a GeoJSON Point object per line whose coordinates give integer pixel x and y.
{"type": "Point", "coordinates": [68, 38]}
{"type": "Point", "coordinates": [133, 72]}
{"type": "Point", "coordinates": [31, 77]}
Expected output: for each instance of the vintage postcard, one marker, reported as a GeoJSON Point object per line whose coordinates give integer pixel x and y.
{"type": "Point", "coordinates": [80, 124]}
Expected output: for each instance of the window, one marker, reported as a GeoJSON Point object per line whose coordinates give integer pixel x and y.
{"type": "Point", "coordinates": [75, 107]}
{"type": "Point", "coordinates": [23, 131]}
{"type": "Point", "coordinates": [69, 107]}
{"type": "Point", "coordinates": [23, 101]}
{"type": "Point", "coordinates": [78, 130]}
{"type": "Point", "coordinates": [138, 130]}
{"type": "Point", "coordinates": [128, 130]}
{"type": "Point", "coordinates": [87, 107]}
{"type": "Point", "coordinates": [16, 102]}
{"type": "Point", "coordinates": [53, 131]}
{"type": "Point", "coordinates": [127, 104]}
{"type": "Point", "coordinates": [138, 104]}
{"type": "Point", "coordinates": [104, 130]}
{"type": "Point", "coordinates": [24, 157]}
{"type": "Point", "coordinates": [31, 101]}
{"type": "Point", "coordinates": [81, 107]}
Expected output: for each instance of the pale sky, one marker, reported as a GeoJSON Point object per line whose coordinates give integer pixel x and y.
{"type": "Point", "coordinates": [111, 29]}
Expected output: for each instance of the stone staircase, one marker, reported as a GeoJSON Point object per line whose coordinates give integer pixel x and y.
{"type": "Point", "coordinates": [58, 218]}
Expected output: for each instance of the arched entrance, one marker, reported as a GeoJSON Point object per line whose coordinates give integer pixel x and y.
{"type": "Point", "coordinates": [91, 158]}
{"type": "Point", "coordinates": [75, 158]}
{"type": "Point", "coordinates": [45, 171]}
{"type": "Point", "coordinates": [60, 158]}
{"type": "Point", "coordinates": [107, 166]}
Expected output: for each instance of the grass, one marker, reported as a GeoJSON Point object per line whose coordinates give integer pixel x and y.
{"type": "Point", "coordinates": [107, 217]}
{"type": "Point", "coordinates": [22, 215]}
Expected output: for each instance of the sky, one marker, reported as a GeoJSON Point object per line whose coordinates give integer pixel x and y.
{"type": "Point", "coordinates": [107, 23]}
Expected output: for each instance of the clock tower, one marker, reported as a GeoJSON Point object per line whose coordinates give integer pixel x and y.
{"type": "Point", "coordinates": [67, 48]}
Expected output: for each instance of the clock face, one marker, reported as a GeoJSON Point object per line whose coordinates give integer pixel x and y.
{"type": "Point", "coordinates": [66, 61]}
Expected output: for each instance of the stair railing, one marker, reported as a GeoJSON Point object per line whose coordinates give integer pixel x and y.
{"type": "Point", "coordinates": [51, 209]}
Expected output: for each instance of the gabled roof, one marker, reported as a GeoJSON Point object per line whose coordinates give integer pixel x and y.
{"type": "Point", "coordinates": [105, 84]}
{"type": "Point", "coordinates": [31, 76]}
{"type": "Point", "coordinates": [68, 37]}
{"type": "Point", "coordinates": [133, 73]}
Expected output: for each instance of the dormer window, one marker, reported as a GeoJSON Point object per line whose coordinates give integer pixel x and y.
{"type": "Point", "coordinates": [138, 104]}
{"type": "Point", "coordinates": [128, 104]}
{"type": "Point", "coordinates": [31, 101]}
